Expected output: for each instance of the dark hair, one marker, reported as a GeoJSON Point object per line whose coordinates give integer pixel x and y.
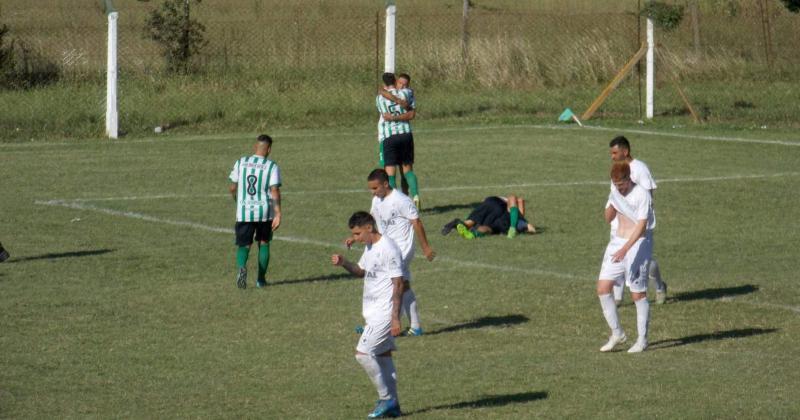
{"type": "Point", "coordinates": [263, 138]}
{"type": "Point", "coordinates": [621, 142]}
{"type": "Point", "coordinates": [379, 175]}
{"type": "Point", "coordinates": [404, 76]}
{"type": "Point", "coordinates": [620, 171]}
{"type": "Point", "coordinates": [361, 218]}
{"type": "Point", "coordinates": [389, 79]}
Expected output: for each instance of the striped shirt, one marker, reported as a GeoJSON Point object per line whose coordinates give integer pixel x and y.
{"type": "Point", "coordinates": [255, 175]}
{"type": "Point", "coordinates": [387, 129]}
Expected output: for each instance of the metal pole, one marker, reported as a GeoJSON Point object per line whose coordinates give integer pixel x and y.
{"type": "Point", "coordinates": [112, 116]}
{"type": "Point", "coordinates": [651, 69]}
{"type": "Point", "coordinates": [389, 45]}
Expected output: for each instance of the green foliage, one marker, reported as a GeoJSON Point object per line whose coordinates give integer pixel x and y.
{"type": "Point", "coordinates": [22, 67]}
{"type": "Point", "coordinates": [665, 16]}
{"type": "Point", "coordinates": [180, 36]}
{"type": "Point", "coordinates": [792, 5]}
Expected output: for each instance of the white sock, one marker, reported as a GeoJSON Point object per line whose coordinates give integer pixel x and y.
{"type": "Point", "coordinates": [610, 312]}
{"type": "Point", "coordinates": [642, 317]}
{"type": "Point", "coordinates": [655, 274]}
{"type": "Point", "coordinates": [410, 307]}
{"type": "Point", "coordinates": [373, 369]}
{"type": "Point", "coordinates": [389, 374]}
{"type": "Point", "coordinates": [618, 290]}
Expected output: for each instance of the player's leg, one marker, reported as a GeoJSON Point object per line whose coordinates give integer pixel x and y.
{"type": "Point", "coordinates": [637, 261]}
{"type": "Point", "coordinates": [409, 302]}
{"type": "Point", "coordinates": [408, 169]}
{"type": "Point", "coordinates": [245, 232]}
{"type": "Point", "coordinates": [610, 272]}
{"type": "Point", "coordinates": [391, 159]}
{"type": "Point", "coordinates": [264, 237]}
{"type": "Point", "coordinates": [661, 285]}
{"type": "Point", "coordinates": [619, 290]}
{"type": "Point", "coordinates": [514, 211]}
{"type": "Point", "coordinates": [3, 253]}
{"type": "Point", "coordinates": [374, 354]}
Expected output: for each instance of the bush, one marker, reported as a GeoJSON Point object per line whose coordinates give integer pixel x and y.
{"type": "Point", "coordinates": [180, 36]}
{"type": "Point", "coordinates": [665, 16]}
{"type": "Point", "coordinates": [792, 5]}
{"type": "Point", "coordinates": [21, 67]}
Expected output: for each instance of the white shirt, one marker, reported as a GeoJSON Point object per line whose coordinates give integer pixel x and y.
{"type": "Point", "coordinates": [640, 175]}
{"type": "Point", "coordinates": [636, 205]}
{"type": "Point", "coordinates": [381, 263]}
{"type": "Point", "coordinates": [394, 214]}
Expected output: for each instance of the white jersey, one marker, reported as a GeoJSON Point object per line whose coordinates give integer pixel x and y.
{"type": "Point", "coordinates": [640, 175]}
{"type": "Point", "coordinates": [636, 205]}
{"type": "Point", "coordinates": [394, 214]}
{"type": "Point", "coordinates": [255, 176]}
{"type": "Point", "coordinates": [381, 263]}
{"type": "Point", "coordinates": [412, 101]}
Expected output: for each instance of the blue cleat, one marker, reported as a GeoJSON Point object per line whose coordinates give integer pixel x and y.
{"type": "Point", "coordinates": [414, 332]}
{"type": "Point", "coordinates": [359, 329]}
{"type": "Point", "coordinates": [386, 408]}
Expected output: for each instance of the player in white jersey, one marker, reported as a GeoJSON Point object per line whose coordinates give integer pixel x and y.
{"type": "Point", "coordinates": [627, 256]}
{"type": "Point", "coordinates": [381, 268]}
{"type": "Point", "coordinates": [394, 133]}
{"type": "Point", "coordinates": [620, 151]}
{"type": "Point", "coordinates": [398, 218]}
{"type": "Point", "coordinates": [255, 186]}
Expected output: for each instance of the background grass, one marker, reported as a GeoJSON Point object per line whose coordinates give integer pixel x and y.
{"type": "Point", "coordinates": [106, 314]}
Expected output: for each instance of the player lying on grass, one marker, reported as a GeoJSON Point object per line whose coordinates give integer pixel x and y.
{"type": "Point", "coordinates": [381, 268]}
{"type": "Point", "coordinates": [3, 253]}
{"type": "Point", "coordinates": [495, 215]}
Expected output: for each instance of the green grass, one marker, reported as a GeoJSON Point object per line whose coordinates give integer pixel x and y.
{"type": "Point", "coordinates": [112, 308]}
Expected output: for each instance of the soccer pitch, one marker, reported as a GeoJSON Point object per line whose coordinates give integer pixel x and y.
{"type": "Point", "coordinates": [119, 299]}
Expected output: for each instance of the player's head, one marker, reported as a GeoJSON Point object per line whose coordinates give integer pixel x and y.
{"type": "Point", "coordinates": [403, 80]}
{"type": "Point", "coordinates": [263, 145]}
{"type": "Point", "coordinates": [362, 226]}
{"type": "Point", "coordinates": [378, 183]}
{"type": "Point", "coordinates": [621, 177]}
{"type": "Point", "coordinates": [389, 79]}
{"type": "Point", "coordinates": [620, 149]}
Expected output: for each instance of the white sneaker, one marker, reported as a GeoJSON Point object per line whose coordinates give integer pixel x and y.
{"type": "Point", "coordinates": [639, 347]}
{"type": "Point", "coordinates": [613, 341]}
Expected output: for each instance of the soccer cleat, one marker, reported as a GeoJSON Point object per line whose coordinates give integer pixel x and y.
{"type": "Point", "coordinates": [261, 283]}
{"type": "Point", "coordinates": [613, 341]}
{"type": "Point", "coordinates": [385, 408]}
{"type": "Point", "coordinates": [417, 203]}
{"type": "Point", "coordinates": [639, 346]}
{"type": "Point", "coordinates": [512, 233]}
{"type": "Point", "coordinates": [414, 332]}
{"type": "Point", "coordinates": [241, 279]}
{"type": "Point", "coordinates": [3, 254]}
{"type": "Point", "coordinates": [359, 329]}
{"type": "Point", "coordinates": [661, 295]}
{"type": "Point", "coordinates": [450, 226]}
{"type": "Point", "coordinates": [464, 232]}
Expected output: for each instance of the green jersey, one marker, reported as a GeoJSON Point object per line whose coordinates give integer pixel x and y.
{"type": "Point", "coordinates": [255, 176]}
{"type": "Point", "coordinates": [387, 129]}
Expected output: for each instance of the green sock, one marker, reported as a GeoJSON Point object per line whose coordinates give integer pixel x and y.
{"type": "Point", "coordinates": [476, 233]}
{"type": "Point", "coordinates": [413, 188]}
{"type": "Point", "coordinates": [241, 256]}
{"type": "Point", "coordinates": [392, 181]}
{"type": "Point", "coordinates": [263, 261]}
{"type": "Point", "coordinates": [514, 219]}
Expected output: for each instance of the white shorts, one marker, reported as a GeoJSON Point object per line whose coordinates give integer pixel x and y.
{"type": "Point", "coordinates": [376, 338]}
{"type": "Point", "coordinates": [632, 270]}
{"type": "Point", "coordinates": [406, 268]}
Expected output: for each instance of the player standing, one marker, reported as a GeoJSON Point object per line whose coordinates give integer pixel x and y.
{"type": "Point", "coordinates": [620, 150]}
{"type": "Point", "coordinates": [380, 267]}
{"type": "Point", "coordinates": [255, 186]}
{"type": "Point", "coordinates": [627, 256]}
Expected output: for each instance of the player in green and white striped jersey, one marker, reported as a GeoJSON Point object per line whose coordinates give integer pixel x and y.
{"type": "Point", "coordinates": [255, 186]}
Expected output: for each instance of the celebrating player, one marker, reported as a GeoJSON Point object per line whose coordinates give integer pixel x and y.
{"type": "Point", "coordinates": [620, 150]}
{"type": "Point", "coordinates": [494, 215]}
{"type": "Point", "coordinates": [627, 256]}
{"type": "Point", "coordinates": [255, 186]}
{"type": "Point", "coordinates": [381, 268]}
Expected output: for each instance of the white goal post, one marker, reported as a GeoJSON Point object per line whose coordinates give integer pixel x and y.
{"type": "Point", "coordinates": [112, 115]}
{"type": "Point", "coordinates": [389, 44]}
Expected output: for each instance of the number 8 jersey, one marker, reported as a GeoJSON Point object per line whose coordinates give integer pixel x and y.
{"type": "Point", "coordinates": [254, 175]}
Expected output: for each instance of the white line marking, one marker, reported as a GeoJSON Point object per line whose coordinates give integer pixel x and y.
{"type": "Point", "coordinates": [430, 189]}
{"type": "Point", "coordinates": [698, 137]}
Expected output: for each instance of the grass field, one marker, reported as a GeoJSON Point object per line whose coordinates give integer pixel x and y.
{"type": "Point", "coordinates": [119, 299]}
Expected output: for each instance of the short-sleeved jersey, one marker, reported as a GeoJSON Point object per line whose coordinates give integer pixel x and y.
{"type": "Point", "coordinates": [636, 205]}
{"type": "Point", "coordinates": [640, 175]}
{"type": "Point", "coordinates": [255, 176]}
{"type": "Point", "coordinates": [410, 99]}
{"type": "Point", "coordinates": [387, 129]}
{"type": "Point", "coordinates": [394, 214]}
{"type": "Point", "coordinates": [381, 263]}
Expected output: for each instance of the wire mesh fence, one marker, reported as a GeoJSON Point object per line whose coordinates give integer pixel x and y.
{"type": "Point", "coordinates": [281, 63]}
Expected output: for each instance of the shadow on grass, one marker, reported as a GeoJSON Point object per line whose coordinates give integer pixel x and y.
{"type": "Point", "coordinates": [718, 335]}
{"type": "Point", "coordinates": [486, 321]}
{"type": "Point", "coordinates": [709, 294]}
{"type": "Point", "coordinates": [327, 277]}
{"type": "Point", "coordinates": [448, 207]}
{"type": "Point", "coordinates": [488, 401]}
{"type": "Point", "coordinates": [57, 255]}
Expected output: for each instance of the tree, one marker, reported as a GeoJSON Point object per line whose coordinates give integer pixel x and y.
{"type": "Point", "coordinates": [180, 36]}
{"type": "Point", "coordinates": [665, 16]}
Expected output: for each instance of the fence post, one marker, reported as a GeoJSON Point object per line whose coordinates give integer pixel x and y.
{"type": "Point", "coordinates": [651, 69]}
{"type": "Point", "coordinates": [465, 34]}
{"type": "Point", "coordinates": [112, 116]}
{"type": "Point", "coordinates": [766, 28]}
{"type": "Point", "coordinates": [695, 14]}
{"type": "Point", "coordinates": [389, 45]}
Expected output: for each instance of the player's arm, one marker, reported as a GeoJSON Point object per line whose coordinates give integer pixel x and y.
{"type": "Point", "coordinates": [398, 288]}
{"type": "Point", "coordinates": [341, 261]}
{"type": "Point", "coordinates": [232, 187]}
{"type": "Point", "coordinates": [610, 213]}
{"type": "Point", "coordinates": [276, 205]}
{"type": "Point", "coordinates": [638, 231]}
{"type": "Point", "coordinates": [423, 239]}
{"type": "Point", "coordinates": [388, 95]}
{"type": "Point", "coordinates": [406, 116]}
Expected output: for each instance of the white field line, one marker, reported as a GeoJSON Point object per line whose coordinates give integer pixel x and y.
{"type": "Point", "coordinates": [199, 226]}
{"type": "Point", "coordinates": [339, 134]}
{"type": "Point", "coordinates": [429, 189]}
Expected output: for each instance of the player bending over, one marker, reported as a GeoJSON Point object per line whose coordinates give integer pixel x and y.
{"type": "Point", "coordinates": [496, 215]}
